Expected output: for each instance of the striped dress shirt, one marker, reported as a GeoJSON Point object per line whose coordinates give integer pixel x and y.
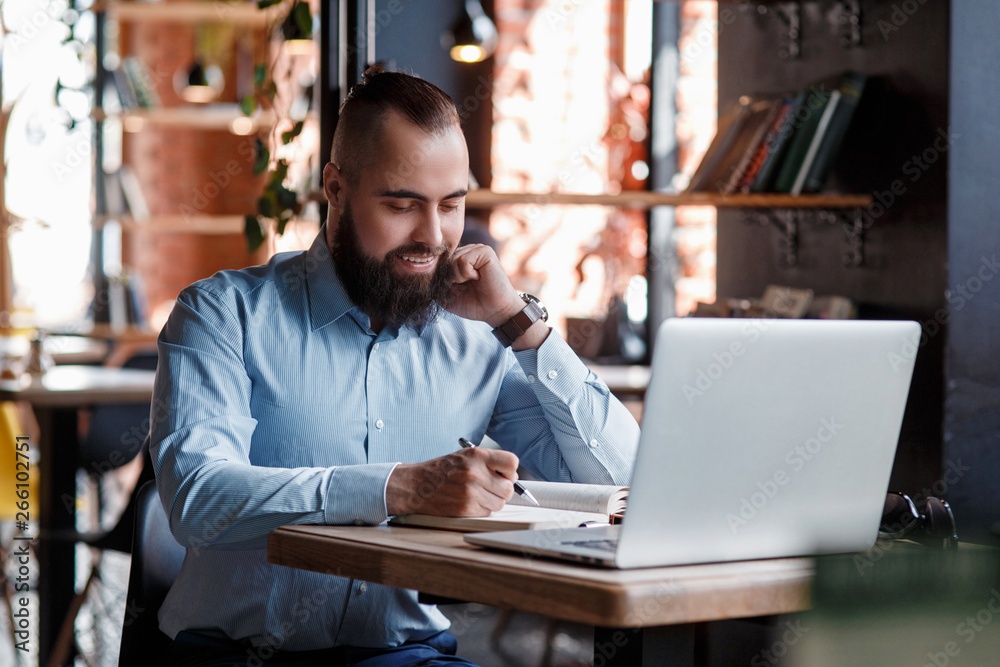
{"type": "Point", "coordinates": [275, 403]}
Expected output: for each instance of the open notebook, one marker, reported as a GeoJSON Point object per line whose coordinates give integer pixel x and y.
{"type": "Point", "coordinates": [563, 505]}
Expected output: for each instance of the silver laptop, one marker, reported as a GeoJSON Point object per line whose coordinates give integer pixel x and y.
{"type": "Point", "coordinates": [760, 439]}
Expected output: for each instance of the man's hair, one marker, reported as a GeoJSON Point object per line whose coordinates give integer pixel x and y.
{"type": "Point", "coordinates": [356, 141]}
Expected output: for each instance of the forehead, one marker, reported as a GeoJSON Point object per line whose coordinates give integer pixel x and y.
{"type": "Point", "coordinates": [432, 163]}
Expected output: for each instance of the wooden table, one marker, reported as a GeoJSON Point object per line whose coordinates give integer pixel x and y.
{"type": "Point", "coordinates": [63, 349]}
{"type": "Point", "coordinates": [642, 617]}
{"type": "Point", "coordinates": [623, 380]}
{"type": "Point", "coordinates": [55, 399]}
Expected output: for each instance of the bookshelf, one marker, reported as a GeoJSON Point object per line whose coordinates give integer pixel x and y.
{"type": "Point", "coordinates": [238, 13]}
{"type": "Point", "coordinates": [642, 199]}
{"type": "Point", "coordinates": [905, 263]}
{"type": "Point", "coordinates": [193, 167]}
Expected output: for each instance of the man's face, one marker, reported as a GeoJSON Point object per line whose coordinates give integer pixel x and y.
{"type": "Point", "coordinates": [404, 218]}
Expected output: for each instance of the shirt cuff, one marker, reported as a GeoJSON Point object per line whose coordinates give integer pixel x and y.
{"type": "Point", "coordinates": [554, 370]}
{"type": "Point", "coordinates": [356, 494]}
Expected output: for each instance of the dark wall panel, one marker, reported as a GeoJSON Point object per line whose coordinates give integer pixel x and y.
{"type": "Point", "coordinates": [972, 427]}
{"type": "Point", "coordinates": [408, 39]}
{"type": "Point", "coordinates": [903, 114]}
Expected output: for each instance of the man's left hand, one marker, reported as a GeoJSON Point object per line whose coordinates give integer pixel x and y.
{"type": "Point", "coordinates": [482, 291]}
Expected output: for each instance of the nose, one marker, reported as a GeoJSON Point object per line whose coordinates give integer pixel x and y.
{"type": "Point", "coordinates": [428, 231]}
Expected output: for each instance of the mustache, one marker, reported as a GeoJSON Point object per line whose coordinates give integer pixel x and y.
{"type": "Point", "coordinates": [420, 249]}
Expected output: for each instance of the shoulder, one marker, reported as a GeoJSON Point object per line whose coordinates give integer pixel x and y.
{"type": "Point", "coordinates": [236, 285]}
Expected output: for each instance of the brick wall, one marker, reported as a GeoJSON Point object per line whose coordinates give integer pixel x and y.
{"type": "Point", "coordinates": [185, 171]}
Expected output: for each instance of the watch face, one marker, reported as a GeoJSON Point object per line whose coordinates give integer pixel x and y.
{"type": "Point", "coordinates": [530, 298]}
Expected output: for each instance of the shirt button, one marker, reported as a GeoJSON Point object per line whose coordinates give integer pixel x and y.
{"type": "Point", "coordinates": [379, 424]}
{"type": "Point", "coordinates": [531, 378]}
{"type": "Point", "coordinates": [375, 347]}
{"type": "Point", "coordinates": [362, 587]}
{"type": "Point", "coordinates": [593, 443]}
{"type": "Point", "coordinates": [553, 374]}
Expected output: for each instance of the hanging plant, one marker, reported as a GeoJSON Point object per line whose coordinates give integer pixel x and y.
{"type": "Point", "coordinates": [277, 203]}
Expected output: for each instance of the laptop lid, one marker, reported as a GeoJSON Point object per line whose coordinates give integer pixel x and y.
{"type": "Point", "coordinates": [766, 438]}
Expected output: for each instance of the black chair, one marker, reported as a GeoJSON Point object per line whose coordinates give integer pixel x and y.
{"type": "Point", "coordinates": [119, 538]}
{"type": "Point", "coordinates": [156, 560]}
{"type": "Point", "coordinates": [101, 450]}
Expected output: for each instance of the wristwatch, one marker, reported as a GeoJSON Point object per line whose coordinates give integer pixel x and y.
{"type": "Point", "coordinates": [533, 311]}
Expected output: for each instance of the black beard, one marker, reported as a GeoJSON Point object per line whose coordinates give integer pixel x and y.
{"type": "Point", "coordinates": [378, 290]}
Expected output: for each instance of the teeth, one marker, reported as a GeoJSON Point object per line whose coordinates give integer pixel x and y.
{"type": "Point", "coordinates": [418, 260]}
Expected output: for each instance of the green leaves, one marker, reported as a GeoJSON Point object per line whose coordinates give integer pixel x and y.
{"type": "Point", "coordinates": [276, 202]}
{"type": "Point", "coordinates": [263, 156]}
{"type": "Point", "coordinates": [253, 233]}
{"type": "Point", "coordinates": [287, 137]}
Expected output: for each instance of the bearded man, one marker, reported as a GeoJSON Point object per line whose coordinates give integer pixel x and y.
{"type": "Point", "coordinates": [331, 387]}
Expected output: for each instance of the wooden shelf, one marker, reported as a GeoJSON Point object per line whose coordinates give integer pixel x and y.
{"type": "Point", "coordinates": [645, 200]}
{"type": "Point", "coordinates": [220, 117]}
{"type": "Point", "coordinates": [237, 13]}
{"type": "Point", "coordinates": [186, 224]}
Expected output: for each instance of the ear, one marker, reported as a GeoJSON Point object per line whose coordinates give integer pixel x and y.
{"type": "Point", "coordinates": [334, 186]}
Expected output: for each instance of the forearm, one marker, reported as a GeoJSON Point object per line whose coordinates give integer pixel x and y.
{"type": "Point", "coordinates": [578, 430]}
{"type": "Point", "coordinates": [215, 500]}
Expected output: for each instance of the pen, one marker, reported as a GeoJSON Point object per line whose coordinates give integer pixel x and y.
{"type": "Point", "coordinates": [518, 487]}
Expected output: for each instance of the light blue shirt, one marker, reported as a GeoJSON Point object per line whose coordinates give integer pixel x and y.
{"type": "Point", "coordinates": [275, 403]}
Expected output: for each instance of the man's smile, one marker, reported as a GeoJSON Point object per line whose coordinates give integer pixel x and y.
{"type": "Point", "coordinates": [417, 263]}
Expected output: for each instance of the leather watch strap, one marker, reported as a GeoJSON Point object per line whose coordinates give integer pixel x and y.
{"type": "Point", "coordinates": [510, 330]}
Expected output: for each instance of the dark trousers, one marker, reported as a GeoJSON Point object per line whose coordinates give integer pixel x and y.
{"type": "Point", "coordinates": [191, 649]}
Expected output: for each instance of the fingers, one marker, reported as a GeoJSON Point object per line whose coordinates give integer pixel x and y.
{"type": "Point", "coordinates": [467, 259]}
{"type": "Point", "coordinates": [460, 484]}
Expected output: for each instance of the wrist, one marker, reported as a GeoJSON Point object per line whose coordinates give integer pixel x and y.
{"type": "Point", "coordinates": [526, 319]}
{"type": "Point", "coordinates": [510, 309]}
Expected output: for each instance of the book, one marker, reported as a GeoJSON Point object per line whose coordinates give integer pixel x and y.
{"type": "Point", "coordinates": [115, 203]}
{"type": "Point", "coordinates": [134, 198]}
{"type": "Point", "coordinates": [727, 128]}
{"type": "Point", "coordinates": [124, 90]}
{"type": "Point", "coordinates": [806, 122]}
{"type": "Point", "coordinates": [141, 82]}
{"type": "Point", "coordinates": [563, 505]}
{"type": "Point", "coordinates": [722, 165]}
{"type": "Point", "coordinates": [757, 129]}
{"type": "Point", "coordinates": [776, 145]}
{"type": "Point", "coordinates": [852, 85]}
{"type": "Point", "coordinates": [817, 139]}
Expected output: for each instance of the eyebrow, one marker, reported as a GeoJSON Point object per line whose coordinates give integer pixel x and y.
{"type": "Point", "coordinates": [410, 194]}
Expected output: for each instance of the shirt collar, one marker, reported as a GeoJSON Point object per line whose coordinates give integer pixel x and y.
{"type": "Point", "coordinates": [328, 300]}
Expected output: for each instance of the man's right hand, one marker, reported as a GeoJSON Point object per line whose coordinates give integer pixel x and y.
{"type": "Point", "coordinates": [465, 483]}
